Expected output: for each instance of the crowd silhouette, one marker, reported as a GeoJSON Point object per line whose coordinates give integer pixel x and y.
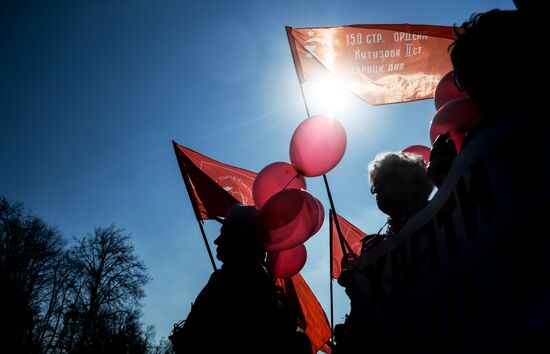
{"type": "Point", "coordinates": [491, 57]}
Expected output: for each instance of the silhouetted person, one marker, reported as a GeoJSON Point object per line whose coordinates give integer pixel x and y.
{"type": "Point", "coordinates": [491, 57]}
{"type": "Point", "coordinates": [493, 61]}
{"type": "Point", "coordinates": [240, 309]}
{"type": "Point", "coordinates": [402, 188]}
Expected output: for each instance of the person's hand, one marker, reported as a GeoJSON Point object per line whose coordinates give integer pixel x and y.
{"type": "Point", "coordinates": [346, 259]}
{"type": "Point", "coordinates": [441, 158]}
{"type": "Point", "coordinates": [345, 276]}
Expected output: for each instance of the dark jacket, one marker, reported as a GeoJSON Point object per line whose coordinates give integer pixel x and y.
{"type": "Point", "coordinates": [239, 310]}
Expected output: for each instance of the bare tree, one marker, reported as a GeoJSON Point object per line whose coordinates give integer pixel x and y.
{"type": "Point", "coordinates": [163, 347]}
{"type": "Point", "coordinates": [51, 327]}
{"type": "Point", "coordinates": [29, 254]}
{"type": "Point", "coordinates": [81, 300]}
{"type": "Point", "coordinates": [108, 280]}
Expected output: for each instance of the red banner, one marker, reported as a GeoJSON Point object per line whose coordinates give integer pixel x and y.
{"type": "Point", "coordinates": [352, 242]}
{"type": "Point", "coordinates": [213, 187]}
{"type": "Point", "coordinates": [380, 63]}
{"type": "Point", "coordinates": [314, 321]}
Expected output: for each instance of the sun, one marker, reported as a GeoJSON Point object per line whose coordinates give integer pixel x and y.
{"type": "Point", "coordinates": [328, 96]}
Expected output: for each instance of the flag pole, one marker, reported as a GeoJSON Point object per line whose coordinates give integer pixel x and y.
{"type": "Point", "coordinates": [336, 222]}
{"type": "Point", "coordinates": [340, 235]}
{"type": "Point", "coordinates": [195, 208]}
{"type": "Point", "coordinates": [207, 245]}
{"type": "Point", "coordinates": [330, 278]}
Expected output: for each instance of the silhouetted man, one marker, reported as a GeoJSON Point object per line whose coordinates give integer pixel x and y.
{"type": "Point", "coordinates": [239, 310]}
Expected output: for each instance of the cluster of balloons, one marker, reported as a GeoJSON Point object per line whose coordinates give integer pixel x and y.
{"type": "Point", "coordinates": [289, 215]}
{"type": "Point", "coordinates": [456, 113]}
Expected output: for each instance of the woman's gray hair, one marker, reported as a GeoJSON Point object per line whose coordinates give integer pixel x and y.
{"type": "Point", "coordinates": [410, 168]}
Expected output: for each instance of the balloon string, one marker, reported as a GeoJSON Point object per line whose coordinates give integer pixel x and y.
{"type": "Point", "coordinates": [292, 179]}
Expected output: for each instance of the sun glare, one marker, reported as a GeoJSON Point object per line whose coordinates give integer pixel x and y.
{"type": "Point", "coordinates": [328, 97]}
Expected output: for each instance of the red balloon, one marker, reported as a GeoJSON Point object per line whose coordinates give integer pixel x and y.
{"type": "Point", "coordinates": [421, 150]}
{"type": "Point", "coordinates": [456, 117]}
{"type": "Point", "coordinates": [321, 216]}
{"type": "Point", "coordinates": [287, 219]}
{"type": "Point", "coordinates": [446, 91]}
{"type": "Point", "coordinates": [317, 145]}
{"type": "Point", "coordinates": [274, 178]}
{"type": "Point", "coordinates": [285, 264]}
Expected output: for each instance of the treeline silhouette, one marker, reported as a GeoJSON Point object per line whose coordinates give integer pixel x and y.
{"type": "Point", "coordinates": [70, 297]}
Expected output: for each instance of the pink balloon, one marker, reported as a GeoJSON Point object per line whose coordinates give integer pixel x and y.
{"type": "Point", "coordinates": [272, 179]}
{"type": "Point", "coordinates": [288, 219]}
{"type": "Point", "coordinates": [447, 91]}
{"type": "Point", "coordinates": [321, 216]}
{"type": "Point", "coordinates": [456, 116]}
{"type": "Point", "coordinates": [421, 150]}
{"type": "Point", "coordinates": [285, 264]}
{"type": "Point", "coordinates": [317, 145]}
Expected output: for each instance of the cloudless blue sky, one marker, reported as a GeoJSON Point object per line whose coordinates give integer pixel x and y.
{"type": "Point", "coordinates": [93, 92]}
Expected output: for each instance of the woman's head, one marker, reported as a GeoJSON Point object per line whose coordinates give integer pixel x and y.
{"type": "Point", "coordinates": [398, 179]}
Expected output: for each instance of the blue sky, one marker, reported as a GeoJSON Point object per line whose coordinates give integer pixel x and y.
{"type": "Point", "coordinates": [93, 92]}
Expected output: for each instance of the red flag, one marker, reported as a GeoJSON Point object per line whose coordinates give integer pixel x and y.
{"type": "Point", "coordinates": [313, 319]}
{"type": "Point", "coordinates": [379, 63]}
{"type": "Point", "coordinates": [352, 242]}
{"type": "Point", "coordinates": [213, 187]}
